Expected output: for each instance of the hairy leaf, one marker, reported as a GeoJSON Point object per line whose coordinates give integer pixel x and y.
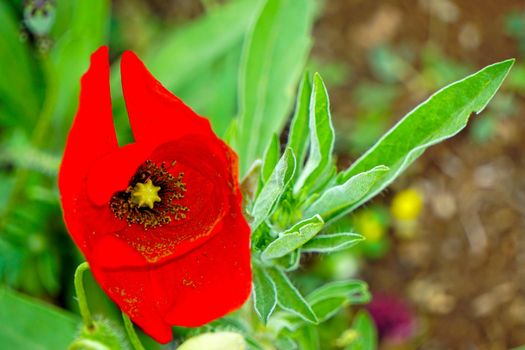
{"type": "Point", "coordinates": [330, 243]}
{"type": "Point", "coordinates": [289, 298]}
{"type": "Point", "coordinates": [298, 138]}
{"type": "Point", "coordinates": [274, 53]}
{"type": "Point", "coordinates": [273, 189]}
{"type": "Point", "coordinates": [264, 293]}
{"type": "Point", "coordinates": [270, 159]}
{"type": "Point", "coordinates": [293, 238]}
{"type": "Point", "coordinates": [322, 138]}
{"type": "Point", "coordinates": [336, 200]}
{"type": "Point", "coordinates": [442, 116]}
{"type": "Point", "coordinates": [330, 298]}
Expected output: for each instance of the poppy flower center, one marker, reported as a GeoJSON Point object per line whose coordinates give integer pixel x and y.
{"type": "Point", "coordinates": [151, 197]}
{"type": "Point", "coordinates": [145, 194]}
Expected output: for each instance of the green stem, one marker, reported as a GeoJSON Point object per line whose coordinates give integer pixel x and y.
{"type": "Point", "coordinates": [81, 296]}
{"type": "Point", "coordinates": [132, 335]}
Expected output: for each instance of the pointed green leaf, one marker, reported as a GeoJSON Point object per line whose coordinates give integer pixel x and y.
{"type": "Point", "coordinates": [264, 293]}
{"type": "Point", "coordinates": [355, 291]}
{"type": "Point", "coordinates": [330, 243]}
{"type": "Point", "coordinates": [327, 300]}
{"type": "Point", "coordinates": [271, 157]}
{"type": "Point", "coordinates": [336, 200]}
{"type": "Point", "coordinates": [293, 238]}
{"type": "Point", "coordinates": [274, 54]}
{"type": "Point", "coordinates": [321, 137]}
{"type": "Point", "coordinates": [299, 132]}
{"type": "Point", "coordinates": [33, 325]}
{"type": "Point", "coordinates": [273, 189]}
{"type": "Point", "coordinates": [289, 298]}
{"type": "Point", "coordinates": [366, 331]}
{"type": "Point", "coordinates": [442, 116]}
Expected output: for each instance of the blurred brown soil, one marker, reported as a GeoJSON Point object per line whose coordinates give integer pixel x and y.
{"type": "Point", "coordinates": [464, 273]}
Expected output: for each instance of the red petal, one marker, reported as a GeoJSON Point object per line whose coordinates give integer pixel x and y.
{"type": "Point", "coordinates": [155, 114]}
{"type": "Point", "coordinates": [130, 290]}
{"type": "Point", "coordinates": [193, 289]}
{"type": "Point", "coordinates": [91, 137]}
{"type": "Point", "coordinates": [189, 291]}
{"type": "Point", "coordinates": [207, 272]}
{"type": "Point", "coordinates": [208, 282]}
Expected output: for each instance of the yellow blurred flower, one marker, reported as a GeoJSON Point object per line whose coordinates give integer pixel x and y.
{"type": "Point", "coordinates": [370, 226]}
{"type": "Point", "coordinates": [407, 205]}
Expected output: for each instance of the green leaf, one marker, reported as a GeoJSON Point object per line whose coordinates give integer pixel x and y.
{"type": "Point", "coordinates": [273, 189]}
{"type": "Point", "coordinates": [307, 338]}
{"type": "Point", "coordinates": [321, 138]}
{"type": "Point", "coordinates": [289, 298]}
{"type": "Point", "coordinates": [336, 200]}
{"type": "Point", "coordinates": [354, 290]}
{"type": "Point", "coordinates": [330, 243]}
{"type": "Point", "coordinates": [19, 90]}
{"type": "Point", "coordinates": [366, 331]}
{"type": "Point", "coordinates": [264, 293]}
{"type": "Point", "coordinates": [203, 41]}
{"type": "Point", "coordinates": [253, 344]}
{"type": "Point", "coordinates": [271, 157]}
{"type": "Point", "coordinates": [293, 238]}
{"type": "Point", "coordinates": [274, 54]}
{"type": "Point", "coordinates": [212, 92]}
{"type": "Point", "coordinates": [442, 116]}
{"type": "Point", "coordinates": [330, 298]}
{"type": "Point", "coordinates": [230, 136]}
{"type": "Point", "coordinates": [285, 343]}
{"type": "Point", "coordinates": [298, 137]}
{"type": "Point", "coordinates": [87, 29]}
{"type": "Point", "coordinates": [33, 325]}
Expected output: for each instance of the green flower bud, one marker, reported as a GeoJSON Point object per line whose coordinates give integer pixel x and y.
{"type": "Point", "coordinates": [104, 336]}
{"type": "Point", "coordinates": [215, 341]}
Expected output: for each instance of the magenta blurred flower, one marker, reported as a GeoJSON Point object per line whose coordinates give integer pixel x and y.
{"type": "Point", "coordinates": [394, 320]}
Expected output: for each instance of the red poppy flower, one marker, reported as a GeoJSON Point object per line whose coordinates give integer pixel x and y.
{"type": "Point", "coordinates": [159, 220]}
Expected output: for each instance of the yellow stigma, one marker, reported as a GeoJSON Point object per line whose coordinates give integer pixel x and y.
{"type": "Point", "coordinates": [145, 195]}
